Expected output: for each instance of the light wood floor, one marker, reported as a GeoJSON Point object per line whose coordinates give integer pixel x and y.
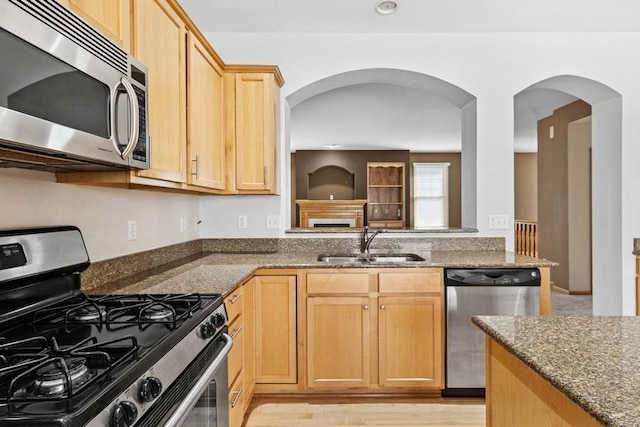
{"type": "Point", "coordinates": [268, 412]}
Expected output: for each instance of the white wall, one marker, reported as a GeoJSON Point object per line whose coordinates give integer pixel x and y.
{"type": "Point", "coordinates": [493, 68]}
{"type": "Point", "coordinates": [34, 199]}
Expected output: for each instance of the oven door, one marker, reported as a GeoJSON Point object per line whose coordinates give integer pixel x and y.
{"type": "Point", "coordinates": [200, 395]}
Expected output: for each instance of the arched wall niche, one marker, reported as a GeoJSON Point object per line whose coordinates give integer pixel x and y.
{"type": "Point", "coordinates": [331, 182]}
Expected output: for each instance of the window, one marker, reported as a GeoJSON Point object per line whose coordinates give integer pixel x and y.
{"type": "Point", "coordinates": [430, 195]}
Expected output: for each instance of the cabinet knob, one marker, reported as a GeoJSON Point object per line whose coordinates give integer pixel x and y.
{"type": "Point", "coordinates": [365, 307]}
{"type": "Point", "coordinates": [382, 307]}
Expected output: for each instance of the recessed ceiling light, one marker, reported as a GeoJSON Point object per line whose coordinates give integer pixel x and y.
{"type": "Point", "coordinates": [386, 7]}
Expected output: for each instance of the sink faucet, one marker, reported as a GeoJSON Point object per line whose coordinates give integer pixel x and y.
{"type": "Point", "coordinates": [366, 239]}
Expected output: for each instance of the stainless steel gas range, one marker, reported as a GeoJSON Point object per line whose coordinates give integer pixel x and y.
{"type": "Point", "coordinates": [70, 359]}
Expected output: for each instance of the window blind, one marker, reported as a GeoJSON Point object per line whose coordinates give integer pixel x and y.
{"type": "Point", "coordinates": [430, 195]}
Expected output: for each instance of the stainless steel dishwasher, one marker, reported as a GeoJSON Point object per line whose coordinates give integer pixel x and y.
{"type": "Point", "coordinates": [470, 292]}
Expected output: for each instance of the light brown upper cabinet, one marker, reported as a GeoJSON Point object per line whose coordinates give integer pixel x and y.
{"type": "Point", "coordinates": [252, 96]}
{"type": "Point", "coordinates": [111, 17]}
{"type": "Point", "coordinates": [205, 144]}
{"type": "Point", "coordinates": [160, 44]}
{"type": "Point", "coordinates": [213, 127]}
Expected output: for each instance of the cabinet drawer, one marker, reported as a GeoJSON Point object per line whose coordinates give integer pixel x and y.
{"type": "Point", "coordinates": [233, 303]}
{"type": "Point", "coordinates": [236, 404]}
{"type": "Point", "coordinates": [236, 354]}
{"type": "Point", "coordinates": [338, 283]}
{"type": "Point", "coordinates": [409, 282]}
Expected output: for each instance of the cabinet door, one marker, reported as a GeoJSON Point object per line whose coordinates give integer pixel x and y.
{"type": "Point", "coordinates": [410, 333]}
{"type": "Point", "coordinates": [111, 17]}
{"type": "Point", "coordinates": [160, 44]}
{"type": "Point", "coordinates": [249, 360]}
{"type": "Point", "coordinates": [276, 329]}
{"type": "Point", "coordinates": [205, 106]}
{"type": "Point", "coordinates": [256, 115]}
{"type": "Point", "coordinates": [338, 342]}
{"type": "Point", "coordinates": [236, 403]}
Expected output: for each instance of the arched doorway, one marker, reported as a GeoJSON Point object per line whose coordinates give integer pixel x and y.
{"type": "Point", "coordinates": [606, 194]}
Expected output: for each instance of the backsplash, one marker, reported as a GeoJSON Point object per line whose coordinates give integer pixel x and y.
{"type": "Point", "coordinates": [102, 272]}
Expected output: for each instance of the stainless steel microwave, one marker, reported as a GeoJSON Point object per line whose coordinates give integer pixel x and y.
{"type": "Point", "coordinates": [68, 93]}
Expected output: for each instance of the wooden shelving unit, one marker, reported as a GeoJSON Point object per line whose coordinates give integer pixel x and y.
{"type": "Point", "coordinates": [385, 194]}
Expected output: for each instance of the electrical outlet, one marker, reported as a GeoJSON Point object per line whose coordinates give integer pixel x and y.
{"type": "Point", "coordinates": [273, 221]}
{"type": "Point", "coordinates": [132, 229]}
{"type": "Point", "coordinates": [242, 221]}
{"type": "Point", "coordinates": [183, 224]}
{"type": "Point", "coordinates": [499, 222]}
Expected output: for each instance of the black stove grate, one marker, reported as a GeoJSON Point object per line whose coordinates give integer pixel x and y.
{"type": "Point", "coordinates": [38, 370]}
{"type": "Point", "coordinates": [116, 311]}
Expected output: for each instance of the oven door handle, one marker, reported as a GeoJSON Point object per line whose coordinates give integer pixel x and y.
{"type": "Point", "coordinates": [192, 398]}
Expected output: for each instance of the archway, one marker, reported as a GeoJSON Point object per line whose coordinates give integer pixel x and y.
{"type": "Point", "coordinates": [606, 191]}
{"type": "Point", "coordinates": [461, 99]}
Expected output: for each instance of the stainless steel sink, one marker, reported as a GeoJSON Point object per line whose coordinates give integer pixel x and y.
{"type": "Point", "coordinates": [377, 258]}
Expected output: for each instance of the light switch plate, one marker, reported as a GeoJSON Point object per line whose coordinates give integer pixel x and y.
{"type": "Point", "coordinates": [273, 221]}
{"type": "Point", "coordinates": [499, 222]}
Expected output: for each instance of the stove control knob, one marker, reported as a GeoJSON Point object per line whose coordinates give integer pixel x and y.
{"type": "Point", "coordinates": [218, 320]}
{"type": "Point", "coordinates": [150, 388]}
{"type": "Point", "coordinates": [124, 414]}
{"type": "Point", "coordinates": [207, 330]}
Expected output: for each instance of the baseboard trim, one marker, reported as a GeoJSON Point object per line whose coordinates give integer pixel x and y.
{"type": "Point", "coordinates": [569, 292]}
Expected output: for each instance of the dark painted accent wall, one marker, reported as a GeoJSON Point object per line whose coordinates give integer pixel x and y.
{"type": "Point", "coordinates": [553, 188]}
{"type": "Point", "coordinates": [353, 161]}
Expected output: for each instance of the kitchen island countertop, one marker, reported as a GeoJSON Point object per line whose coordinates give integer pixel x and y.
{"type": "Point", "coordinates": [593, 360]}
{"type": "Point", "coordinates": [222, 272]}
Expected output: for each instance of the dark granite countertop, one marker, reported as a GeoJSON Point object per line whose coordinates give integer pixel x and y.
{"type": "Point", "coordinates": [222, 272]}
{"type": "Point", "coordinates": [593, 360]}
{"type": "Point", "coordinates": [636, 246]}
{"type": "Point", "coordinates": [406, 230]}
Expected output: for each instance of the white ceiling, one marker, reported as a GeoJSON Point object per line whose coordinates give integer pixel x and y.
{"type": "Point", "coordinates": [355, 16]}
{"type": "Point", "coordinates": [382, 116]}
{"type": "Point", "coordinates": [387, 116]}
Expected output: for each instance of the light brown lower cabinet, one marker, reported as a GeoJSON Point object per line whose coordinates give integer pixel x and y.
{"type": "Point", "coordinates": [276, 333]}
{"type": "Point", "coordinates": [249, 345]}
{"type": "Point", "coordinates": [338, 341]}
{"type": "Point", "coordinates": [517, 396]}
{"type": "Point", "coordinates": [410, 347]}
{"type": "Point", "coordinates": [240, 305]}
{"type": "Point", "coordinates": [374, 329]}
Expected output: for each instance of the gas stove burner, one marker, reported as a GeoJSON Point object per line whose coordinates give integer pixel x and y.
{"type": "Point", "coordinates": [52, 379]}
{"type": "Point", "coordinates": [89, 313]}
{"type": "Point", "coordinates": [157, 313]}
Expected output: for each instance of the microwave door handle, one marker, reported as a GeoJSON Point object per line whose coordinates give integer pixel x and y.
{"type": "Point", "coordinates": [135, 119]}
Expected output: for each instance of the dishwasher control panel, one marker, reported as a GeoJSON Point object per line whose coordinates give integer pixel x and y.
{"type": "Point", "coordinates": [493, 276]}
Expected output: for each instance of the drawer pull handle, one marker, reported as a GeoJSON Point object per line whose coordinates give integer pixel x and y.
{"type": "Point", "coordinates": [235, 332]}
{"type": "Point", "coordinates": [235, 298]}
{"type": "Point", "coordinates": [235, 400]}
